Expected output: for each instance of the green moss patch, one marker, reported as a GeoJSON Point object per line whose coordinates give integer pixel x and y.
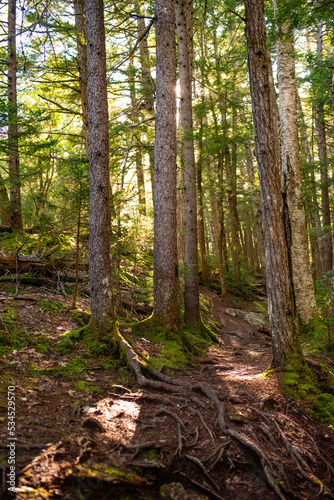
{"type": "Point", "coordinates": [13, 336]}
{"type": "Point", "coordinates": [82, 385]}
{"type": "Point", "coordinates": [50, 307]}
{"type": "Point", "coordinates": [314, 386]}
{"type": "Point", "coordinates": [179, 346]}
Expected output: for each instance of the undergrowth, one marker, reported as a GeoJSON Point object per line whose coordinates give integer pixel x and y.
{"type": "Point", "coordinates": [177, 346]}
{"type": "Point", "coordinates": [314, 385]}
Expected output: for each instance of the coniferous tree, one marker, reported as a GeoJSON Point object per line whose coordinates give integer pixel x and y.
{"type": "Point", "coordinates": [99, 193]}
{"type": "Point", "coordinates": [13, 138]}
{"type": "Point", "coordinates": [166, 307]}
{"type": "Point", "coordinates": [282, 315]}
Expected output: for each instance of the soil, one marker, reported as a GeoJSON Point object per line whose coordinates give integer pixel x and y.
{"type": "Point", "coordinates": [123, 441]}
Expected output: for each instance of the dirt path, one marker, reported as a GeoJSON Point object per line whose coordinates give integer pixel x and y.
{"type": "Point", "coordinates": [124, 441]}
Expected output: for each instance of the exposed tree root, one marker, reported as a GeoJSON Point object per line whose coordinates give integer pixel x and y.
{"type": "Point", "coordinates": [171, 384]}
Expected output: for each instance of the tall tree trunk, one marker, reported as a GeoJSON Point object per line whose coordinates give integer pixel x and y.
{"type": "Point", "coordinates": [79, 12]}
{"type": "Point", "coordinates": [13, 140]}
{"type": "Point", "coordinates": [291, 175]}
{"type": "Point", "coordinates": [322, 153]}
{"type": "Point", "coordinates": [191, 288]}
{"type": "Point", "coordinates": [166, 307]}
{"type": "Point", "coordinates": [311, 201]}
{"type": "Point", "coordinates": [5, 211]}
{"type": "Point", "coordinates": [234, 219]}
{"type": "Point", "coordinates": [281, 306]}
{"type": "Point", "coordinates": [99, 210]}
{"type": "Point", "coordinates": [138, 156]}
{"type": "Point", "coordinates": [201, 231]}
{"type": "Point", "coordinates": [144, 57]}
{"type": "Point", "coordinates": [199, 172]}
{"type": "Point", "coordinates": [258, 229]}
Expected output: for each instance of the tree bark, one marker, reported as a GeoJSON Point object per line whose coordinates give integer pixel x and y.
{"type": "Point", "coordinates": [166, 307]}
{"type": "Point", "coordinates": [5, 211]}
{"type": "Point", "coordinates": [79, 12]}
{"type": "Point", "coordinates": [147, 81]}
{"type": "Point", "coordinates": [138, 155]}
{"type": "Point", "coordinates": [99, 210]}
{"type": "Point", "coordinates": [13, 140]}
{"type": "Point", "coordinates": [322, 153]}
{"type": "Point", "coordinates": [191, 287]}
{"type": "Point", "coordinates": [291, 175]}
{"type": "Point", "coordinates": [311, 201]}
{"type": "Point", "coordinates": [281, 305]}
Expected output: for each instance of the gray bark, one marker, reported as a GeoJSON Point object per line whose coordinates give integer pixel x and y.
{"type": "Point", "coordinates": [191, 288]}
{"type": "Point", "coordinates": [99, 184]}
{"type": "Point", "coordinates": [291, 175]}
{"type": "Point", "coordinates": [281, 305]}
{"type": "Point", "coordinates": [166, 308]}
{"type": "Point", "coordinates": [322, 153]}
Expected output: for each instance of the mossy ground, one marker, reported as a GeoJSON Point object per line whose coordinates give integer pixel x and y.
{"type": "Point", "coordinates": [179, 345]}
{"type": "Point", "coordinates": [315, 386]}
{"type": "Point", "coordinates": [50, 307]}
{"type": "Point", "coordinates": [96, 342]}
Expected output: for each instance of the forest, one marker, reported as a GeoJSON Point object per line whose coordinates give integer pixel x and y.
{"type": "Point", "coordinates": [166, 249]}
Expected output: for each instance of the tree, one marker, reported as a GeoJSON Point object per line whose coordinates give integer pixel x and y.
{"type": "Point", "coordinates": [166, 308]}
{"type": "Point", "coordinates": [191, 288]}
{"type": "Point", "coordinates": [322, 153]}
{"type": "Point", "coordinates": [99, 185]}
{"type": "Point", "coordinates": [13, 138]}
{"type": "Point", "coordinates": [291, 175]}
{"type": "Point", "coordinates": [281, 305]}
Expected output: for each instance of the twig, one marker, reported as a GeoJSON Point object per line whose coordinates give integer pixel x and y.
{"type": "Point", "coordinates": [204, 487]}
{"type": "Point", "coordinates": [203, 469]}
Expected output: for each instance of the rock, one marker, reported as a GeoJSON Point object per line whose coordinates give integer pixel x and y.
{"type": "Point", "coordinates": [176, 491]}
{"type": "Point", "coordinates": [256, 319]}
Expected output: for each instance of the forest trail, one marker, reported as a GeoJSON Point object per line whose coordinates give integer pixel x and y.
{"type": "Point", "coordinates": [96, 433]}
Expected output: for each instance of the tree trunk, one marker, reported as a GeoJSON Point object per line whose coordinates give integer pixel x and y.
{"type": "Point", "coordinates": [233, 210]}
{"type": "Point", "coordinates": [5, 211]}
{"type": "Point", "coordinates": [79, 12]}
{"type": "Point", "coordinates": [13, 141]}
{"type": "Point", "coordinates": [322, 153]}
{"type": "Point", "coordinates": [201, 231]}
{"type": "Point", "coordinates": [191, 288]}
{"type": "Point", "coordinates": [138, 156]}
{"type": "Point", "coordinates": [144, 56]}
{"type": "Point", "coordinates": [99, 184]}
{"type": "Point", "coordinates": [281, 305]}
{"type": "Point", "coordinates": [258, 229]}
{"type": "Point", "coordinates": [291, 175]}
{"type": "Point", "coordinates": [166, 307]}
{"type": "Point", "coordinates": [199, 176]}
{"type": "Point", "coordinates": [311, 201]}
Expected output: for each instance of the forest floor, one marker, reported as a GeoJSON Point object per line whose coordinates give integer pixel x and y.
{"type": "Point", "coordinates": [84, 431]}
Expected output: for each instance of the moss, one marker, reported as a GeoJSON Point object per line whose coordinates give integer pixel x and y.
{"type": "Point", "coordinates": [302, 382]}
{"type": "Point", "coordinates": [110, 365]}
{"type": "Point", "coordinates": [108, 474]}
{"type": "Point", "coordinates": [80, 317]}
{"type": "Point", "coordinates": [74, 367]}
{"type": "Point", "coordinates": [96, 343]}
{"type": "Point", "coordinates": [13, 336]}
{"type": "Point", "coordinates": [323, 408]}
{"type": "Point", "coordinates": [43, 344]}
{"type": "Point", "coordinates": [315, 336]}
{"type": "Point", "coordinates": [50, 307]}
{"type": "Point", "coordinates": [179, 346]}
{"type": "Point", "coordinates": [81, 385]}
